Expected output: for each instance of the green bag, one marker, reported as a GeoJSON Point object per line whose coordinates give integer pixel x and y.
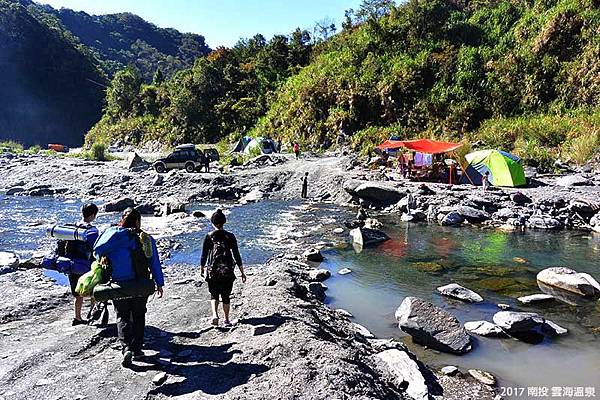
{"type": "Point", "coordinates": [143, 287]}
{"type": "Point", "coordinates": [87, 282]}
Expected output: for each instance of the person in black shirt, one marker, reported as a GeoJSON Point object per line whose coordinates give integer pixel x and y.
{"type": "Point", "coordinates": [305, 186]}
{"type": "Point", "coordinates": [219, 254]}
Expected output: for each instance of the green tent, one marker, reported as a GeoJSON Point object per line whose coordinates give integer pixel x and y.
{"type": "Point", "coordinates": [504, 168]}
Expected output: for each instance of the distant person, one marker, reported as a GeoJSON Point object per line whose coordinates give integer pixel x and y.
{"type": "Point", "coordinates": [220, 254]}
{"type": "Point", "coordinates": [297, 150]}
{"type": "Point", "coordinates": [305, 186]}
{"type": "Point", "coordinates": [118, 244]}
{"type": "Point", "coordinates": [81, 255]}
{"type": "Point", "coordinates": [485, 183]}
{"type": "Point", "coordinates": [206, 163]}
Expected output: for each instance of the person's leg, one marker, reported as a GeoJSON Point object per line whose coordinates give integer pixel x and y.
{"type": "Point", "coordinates": [138, 317]}
{"type": "Point", "coordinates": [78, 307]}
{"type": "Point", "coordinates": [225, 295]}
{"type": "Point", "coordinates": [73, 278]}
{"type": "Point", "coordinates": [124, 329]}
{"type": "Point", "coordinates": [214, 301]}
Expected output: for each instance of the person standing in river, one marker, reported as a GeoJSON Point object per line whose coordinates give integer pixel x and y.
{"type": "Point", "coordinates": [305, 186]}
{"type": "Point", "coordinates": [118, 244]}
{"type": "Point", "coordinates": [220, 254]}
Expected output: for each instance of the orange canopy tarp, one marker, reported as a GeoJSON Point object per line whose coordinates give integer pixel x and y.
{"type": "Point", "coordinates": [421, 145]}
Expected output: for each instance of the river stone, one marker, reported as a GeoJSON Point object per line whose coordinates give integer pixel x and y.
{"type": "Point", "coordinates": [535, 298]}
{"type": "Point", "coordinates": [570, 280]}
{"type": "Point", "coordinates": [482, 376]}
{"type": "Point", "coordinates": [572, 180]}
{"type": "Point", "coordinates": [367, 237]}
{"type": "Point", "coordinates": [456, 291]}
{"type": "Point", "coordinates": [450, 370]}
{"type": "Point", "coordinates": [544, 222]}
{"type": "Point", "coordinates": [119, 205]}
{"type": "Point", "coordinates": [431, 326]}
{"type": "Point", "coordinates": [338, 231]}
{"type": "Point", "coordinates": [517, 322]}
{"type": "Point", "coordinates": [378, 192]}
{"type": "Point", "coordinates": [14, 190]}
{"type": "Point", "coordinates": [344, 271]}
{"type": "Point", "coordinates": [137, 163]}
{"type": "Point", "coordinates": [484, 328]}
{"type": "Point", "coordinates": [159, 378]}
{"type": "Point", "coordinates": [553, 329]}
{"type": "Point", "coordinates": [344, 313]}
{"type": "Point", "coordinates": [318, 275]}
{"type": "Point", "coordinates": [8, 260]}
{"type": "Point", "coordinates": [473, 215]}
{"type": "Point", "coordinates": [520, 199]}
{"type": "Point", "coordinates": [363, 331]}
{"type": "Point", "coordinates": [317, 289]}
{"type": "Point", "coordinates": [158, 180]}
{"type": "Point", "coordinates": [313, 255]}
{"type": "Point", "coordinates": [405, 370]}
{"type": "Point", "coordinates": [452, 218]}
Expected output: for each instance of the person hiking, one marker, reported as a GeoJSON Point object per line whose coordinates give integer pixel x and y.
{"type": "Point", "coordinates": [485, 183]}
{"type": "Point", "coordinates": [297, 150]}
{"type": "Point", "coordinates": [220, 253]}
{"type": "Point", "coordinates": [119, 244]}
{"type": "Point", "coordinates": [305, 186]}
{"type": "Point", "coordinates": [81, 255]}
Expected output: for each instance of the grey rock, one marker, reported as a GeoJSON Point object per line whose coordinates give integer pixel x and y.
{"type": "Point", "coordinates": [146, 209]}
{"type": "Point", "coordinates": [482, 376]}
{"type": "Point", "coordinates": [503, 306]}
{"type": "Point", "coordinates": [313, 255]}
{"type": "Point", "coordinates": [544, 222]}
{"type": "Point", "coordinates": [459, 292]}
{"type": "Point", "coordinates": [473, 215]}
{"type": "Point", "coordinates": [572, 180]}
{"type": "Point", "coordinates": [119, 204]}
{"type": "Point", "coordinates": [263, 329]}
{"type": "Point", "coordinates": [338, 231]}
{"type": "Point", "coordinates": [431, 326]}
{"type": "Point", "coordinates": [535, 298]}
{"type": "Point", "coordinates": [517, 322]}
{"type": "Point", "coordinates": [8, 260]}
{"type": "Point", "coordinates": [363, 331]}
{"type": "Point", "coordinates": [505, 213]}
{"type": "Point", "coordinates": [570, 280]}
{"type": "Point", "coordinates": [344, 271]}
{"type": "Point", "coordinates": [137, 163]}
{"type": "Point", "coordinates": [318, 275]}
{"type": "Point", "coordinates": [377, 192]}
{"type": "Point", "coordinates": [14, 190]}
{"type": "Point", "coordinates": [344, 313]}
{"type": "Point", "coordinates": [198, 214]}
{"type": "Point", "coordinates": [452, 218]}
{"type": "Point", "coordinates": [317, 289]}
{"type": "Point", "coordinates": [406, 370]}
{"type": "Point", "coordinates": [450, 370]}
{"type": "Point", "coordinates": [159, 378]}
{"type": "Point", "coordinates": [553, 329]}
{"type": "Point", "coordinates": [368, 237]}
{"type": "Point", "coordinates": [158, 180]}
{"type": "Point", "coordinates": [520, 199]}
{"type": "Point", "coordinates": [484, 328]}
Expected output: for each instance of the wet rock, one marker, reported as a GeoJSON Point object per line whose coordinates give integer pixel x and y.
{"type": "Point", "coordinates": [363, 331]}
{"type": "Point", "coordinates": [484, 328]}
{"type": "Point", "coordinates": [503, 306]}
{"type": "Point", "coordinates": [344, 313]}
{"type": "Point", "coordinates": [137, 163]}
{"type": "Point", "coordinates": [517, 322]}
{"type": "Point", "coordinates": [570, 280]}
{"type": "Point", "coordinates": [585, 209]}
{"type": "Point", "coordinates": [317, 289]}
{"type": "Point", "coordinates": [452, 218]}
{"type": "Point", "coordinates": [544, 222]}
{"type": "Point", "coordinates": [8, 260]}
{"type": "Point", "coordinates": [313, 255]}
{"type": "Point", "coordinates": [172, 206]}
{"type": "Point", "coordinates": [428, 266]}
{"type": "Point", "coordinates": [406, 372]}
{"type": "Point", "coordinates": [431, 326]}
{"type": "Point", "coordinates": [344, 271]}
{"type": "Point", "coordinates": [535, 298]}
{"type": "Point", "coordinates": [158, 180]}
{"type": "Point", "coordinates": [198, 214]}
{"type": "Point", "coordinates": [263, 329]}
{"type": "Point", "coordinates": [572, 180]}
{"type": "Point", "coordinates": [253, 196]}
{"type": "Point", "coordinates": [146, 209]}
{"type": "Point", "coordinates": [368, 237]}
{"type": "Point", "coordinates": [520, 199]}
{"type": "Point", "coordinates": [377, 192]}
{"type": "Point", "coordinates": [159, 378]}
{"type": "Point", "coordinates": [482, 376]}
{"type": "Point", "coordinates": [553, 329]}
{"type": "Point", "coordinates": [318, 275]}
{"type": "Point", "coordinates": [450, 370]}
{"type": "Point", "coordinates": [456, 291]}
{"type": "Point", "coordinates": [14, 190]}
{"type": "Point", "coordinates": [473, 215]}
{"type": "Point", "coordinates": [119, 205]}
{"type": "Point", "coordinates": [338, 231]}
{"type": "Point", "coordinates": [505, 214]}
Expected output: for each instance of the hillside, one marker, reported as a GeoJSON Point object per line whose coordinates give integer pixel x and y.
{"type": "Point", "coordinates": [50, 90]}
{"type": "Point", "coordinates": [118, 40]}
{"type": "Point", "coordinates": [520, 75]}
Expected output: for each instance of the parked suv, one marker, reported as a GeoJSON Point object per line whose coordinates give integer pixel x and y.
{"type": "Point", "coordinates": [187, 157]}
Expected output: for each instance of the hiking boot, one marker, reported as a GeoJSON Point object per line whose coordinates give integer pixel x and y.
{"type": "Point", "coordinates": [78, 322]}
{"type": "Point", "coordinates": [127, 357]}
{"type": "Point", "coordinates": [227, 324]}
{"type": "Point", "coordinates": [215, 321]}
{"type": "Point", "coordinates": [138, 355]}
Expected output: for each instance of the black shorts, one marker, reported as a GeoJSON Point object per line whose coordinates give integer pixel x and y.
{"type": "Point", "coordinates": [73, 278]}
{"type": "Point", "coordinates": [220, 288]}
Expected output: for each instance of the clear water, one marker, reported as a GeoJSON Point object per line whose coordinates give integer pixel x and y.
{"type": "Point", "coordinates": [501, 267]}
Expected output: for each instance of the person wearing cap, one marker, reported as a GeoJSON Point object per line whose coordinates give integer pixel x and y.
{"type": "Point", "coordinates": [219, 254]}
{"type": "Point", "coordinates": [117, 244]}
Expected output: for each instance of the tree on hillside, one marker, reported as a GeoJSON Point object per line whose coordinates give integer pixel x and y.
{"type": "Point", "coordinates": [122, 94]}
{"type": "Point", "coordinates": [323, 29]}
{"type": "Point", "coordinates": [373, 9]}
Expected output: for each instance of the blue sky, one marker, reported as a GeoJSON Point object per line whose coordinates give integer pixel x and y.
{"type": "Point", "coordinates": [222, 22]}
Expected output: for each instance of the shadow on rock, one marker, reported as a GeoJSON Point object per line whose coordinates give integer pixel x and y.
{"type": "Point", "coordinates": [273, 320]}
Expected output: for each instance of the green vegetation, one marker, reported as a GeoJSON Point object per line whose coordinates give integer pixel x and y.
{"type": "Point", "coordinates": [11, 146]}
{"type": "Point", "coordinates": [98, 152]}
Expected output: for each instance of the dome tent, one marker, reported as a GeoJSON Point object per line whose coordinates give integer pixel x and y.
{"type": "Point", "coordinates": [266, 146]}
{"type": "Point", "coordinates": [504, 168]}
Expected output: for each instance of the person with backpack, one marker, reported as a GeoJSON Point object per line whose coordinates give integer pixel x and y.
{"type": "Point", "coordinates": [304, 180]}
{"type": "Point", "coordinates": [131, 254]}
{"type": "Point", "coordinates": [297, 150]}
{"type": "Point", "coordinates": [220, 253]}
{"type": "Point", "coordinates": [81, 255]}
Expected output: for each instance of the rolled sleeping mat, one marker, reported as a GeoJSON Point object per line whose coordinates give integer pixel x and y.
{"type": "Point", "coordinates": [66, 232]}
{"type": "Point", "coordinates": [124, 290]}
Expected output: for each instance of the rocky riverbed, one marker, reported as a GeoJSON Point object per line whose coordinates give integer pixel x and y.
{"type": "Point", "coordinates": [286, 343]}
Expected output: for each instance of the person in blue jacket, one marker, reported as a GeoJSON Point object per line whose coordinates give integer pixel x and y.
{"type": "Point", "coordinates": [117, 244]}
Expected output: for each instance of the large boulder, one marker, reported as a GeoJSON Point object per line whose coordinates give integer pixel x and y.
{"type": "Point", "coordinates": [8, 261]}
{"type": "Point", "coordinates": [317, 289]}
{"type": "Point", "coordinates": [570, 280]}
{"type": "Point", "coordinates": [535, 298]}
{"type": "Point", "coordinates": [520, 199]}
{"type": "Point", "coordinates": [378, 192]}
{"type": "Point", "coordinates": [517, 322]}
{"type": "Point", "coordinates": [484, 328]}
{"type": "Point", "coordinates": [473, 215]}
{"type": "Point", "coordinates": [119, 205]}
{"type": "Point", "coordinates": [572, 180]}
{"type": "Point", "coordinates": [406, 371]}
{"type": "Point", "coordinates": [456, 291]}
{"type": "Point", "coordinates": [14, 190]}
{"type": "Point", "coordinates": [313, 255]}
{"type": "Point", "coordinates": [368, 237]}
{"type": "Point", "coordinates": [137, 163]}
{"type": "Point", "coordinates": [544, 222]}
{"type": "Point", "coordinates": [318, 275]}
{"type": "Point", "coordinates": [452, 218]}
{"type": "Point", "coordinates": [431, 326]}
